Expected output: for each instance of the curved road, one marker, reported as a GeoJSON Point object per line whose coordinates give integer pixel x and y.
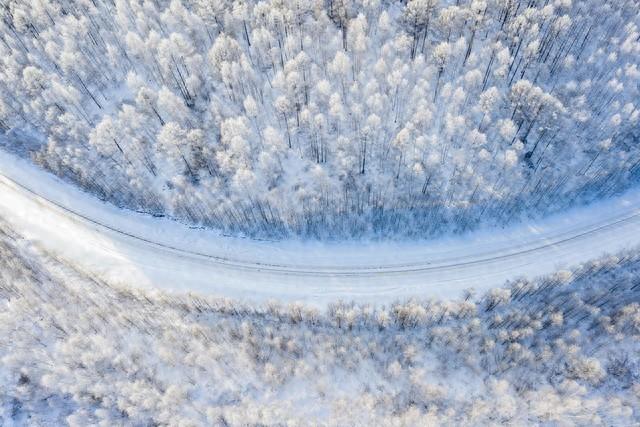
{"type": "Point", "coordinates": [125, 247]}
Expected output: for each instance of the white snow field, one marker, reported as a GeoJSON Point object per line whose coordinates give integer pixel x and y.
{"type": "Point", "coordinates": [121, 246]}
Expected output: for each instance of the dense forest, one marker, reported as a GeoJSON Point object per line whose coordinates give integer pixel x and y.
{"type": "Point", "coordinates": [327, 118]}
{"type": "Point", "coordinates": [559, 350]}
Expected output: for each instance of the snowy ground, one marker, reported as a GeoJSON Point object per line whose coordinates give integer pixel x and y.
{"type": "Point", "coordinates": [125, 247]}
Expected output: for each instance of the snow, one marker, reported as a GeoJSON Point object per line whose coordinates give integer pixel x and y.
{"type": "Point", "coordinates": [84, 353]}
{"type": "Point", "coordinates": [121, 246]}
{"type": "Point", "coordinates": [360, 120]}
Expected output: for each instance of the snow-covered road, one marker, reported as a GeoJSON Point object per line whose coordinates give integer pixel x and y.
{"type": "Point", "coordinates": [122, 246]}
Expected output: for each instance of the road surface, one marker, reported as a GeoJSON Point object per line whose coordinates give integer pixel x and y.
{"type": "Point", "coordinates": [124, 247]}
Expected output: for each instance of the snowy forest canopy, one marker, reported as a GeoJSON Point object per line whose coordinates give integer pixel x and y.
{"type": "Point", "coordinates": [560, 350]}
{"type": "Point", "coordinates": [327, 118]}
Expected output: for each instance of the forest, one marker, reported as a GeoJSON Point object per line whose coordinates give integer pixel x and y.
{"type": "Point", "coordinates": [363, 125]}
{"type": "Point", "coordinates": [557, 350]}
{"type": "Point", "coordinates": [327, 118]}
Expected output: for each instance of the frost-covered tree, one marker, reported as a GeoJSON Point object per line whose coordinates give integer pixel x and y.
{"type": "Point", "coordinates": [425, 116]}
{"type": "Point", "coordinates": [76, 351]}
